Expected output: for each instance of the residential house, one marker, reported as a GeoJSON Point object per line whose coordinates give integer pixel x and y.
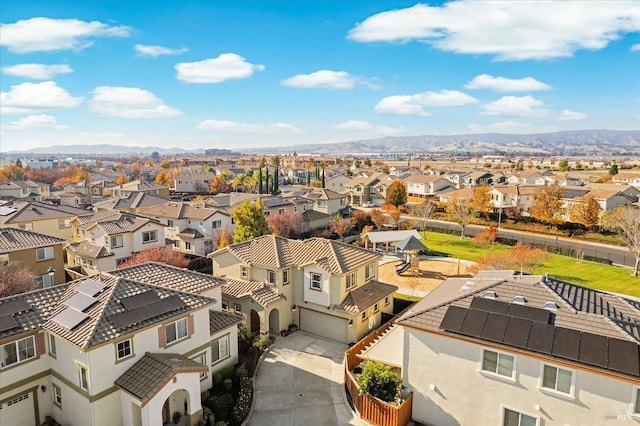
{"type": "Point", "coordinates": [518, 198]}
{"type": "Point", "coordinates": [41, 254]}
{"type": "Point", "coordinates": [150, 188]}
{"type": "Point", "coordinates": [105, 175]}
{"type": "Point", "coordinates": [25, 189]}
{"type": "Point", "coordinates": [126, 347]}
{"type": "Point", "coordinates": [43, 218]}
{"type": "Point", "coordinates": [194, 182]}
{"type": "Point", "coordinates": [361, 189]}
{"type": "Point", "coordinates": [323, 286]}
{"type": "Point", "coordinates": [477, 178]}
{"type": "Point", "coordinates": [190, 227]}
{"type": "Point", "coordinates": [336, 182]}
{"type": "Point", "coordinates": [132, 202]}
{"type": "Point", "coordinates": [324, 200]}
{"type": "Point", "coordinates": [104, 240]}
{"type": "Point", "coordinates": [456, 177]}
{"type": "Point", "coordinates": [76, 193]}
{"type": "Point", "coordinates": [627, 178]}
{"type": "Point", "coordinates": [529, 177]}
{"type": "Point", "coordinates": [542, 351]}
{"type": "Point", "coordinates": [420, 187]}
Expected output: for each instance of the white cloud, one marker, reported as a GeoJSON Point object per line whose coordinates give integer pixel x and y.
{"type": "Point", "coordinates": [414, 104]}
{"type": "Point", "coordinates": [510, 127]}
{"type": "Point", "coordinates": [515, 106]}
{"type": "Point", "coordinates": [501, 84]}
{"type": "Point", "coordinates": [40, 121]}
{"type": "Point", "coordinates": [129, 102]}
{"type": "Point", "coordinates": [155, 51]}
{"type": "Point", "coordinates": [227, 66]}
{"type": "Point", "coordinates": [50, 35]}
{"type": "Point", "coordinates": [365, 126]}
{"type": "Point", "coordinates": [37, 71]}
{"type": "Point", "coordinates": [327, 79]}
{"type": "Point", "coordinates": [29, 97]}
{"type": "Point", "coordinates": [568, 115]}
{"type": "Point", "coordinates": [231, 126]}
{"type": "Point", "coordinates": [635, 48]}
{"type": "Point", "coordinates": [510, 30]}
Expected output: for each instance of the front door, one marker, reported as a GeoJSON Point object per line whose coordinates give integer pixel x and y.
{"type": "Point", "coordinates": [255, 322]}
{"type": "Point", "coordinates": [165, 412]}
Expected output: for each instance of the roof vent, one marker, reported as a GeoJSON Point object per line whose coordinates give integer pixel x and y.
{"type": "Point", "coordinates": [491, 295]}
{"type": "Point", "coordinates": [520, 300]}
{"type": "Point", "coordinates": [551, 306]}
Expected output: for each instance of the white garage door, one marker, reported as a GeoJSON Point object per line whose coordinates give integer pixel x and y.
{"type": "Point", "coordinates": [323, 325]}
{"type": "Point", "coordinates": [18, 411]}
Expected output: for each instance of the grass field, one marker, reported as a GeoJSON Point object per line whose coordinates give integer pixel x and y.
{"type": "Point", "coordinates": [584, 273]}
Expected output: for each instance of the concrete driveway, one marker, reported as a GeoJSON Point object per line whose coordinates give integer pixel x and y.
{"type": "Point", "coordinates": [300, 381]}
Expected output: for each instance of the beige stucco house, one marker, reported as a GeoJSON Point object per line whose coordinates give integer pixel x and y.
{"type": "Point", "coordinates": [43, 218]}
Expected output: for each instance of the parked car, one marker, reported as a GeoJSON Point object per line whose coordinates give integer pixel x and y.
{"type": "Point", "coordinates": [368, 204]}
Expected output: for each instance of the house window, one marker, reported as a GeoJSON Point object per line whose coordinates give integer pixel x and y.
{"type": "Point", "coordinates": [244, 272]}
{"type": "Point", "coordinates": [216, 224]}
{"type": "Point", "coordinates": [64, 223]}
{"type": "Point", "coordinates": [280, 211]}
{"type": "Point", "coordinates": [187, 246]}
{"type": "Point", "coordinates": [42, 281]}
{"type": "Point", "coordinates": [220, 349]}
{"type": "Point", "coordinates": [376, 308]}
{"type": "Point", "coordinates": [201, 359]}
{"type": "Point", "coordinates": [176, 244]}
{"type": "Point", "coordinates": [124, 349]}
{"type": "Point", "coordinates": [170, 223]}
{"type": "Point", "coordinates": [52, 345]}
{"type": "Point", "coordinates": [285, 276]}
{"type": "Point", "coordinates": [237, 307]}
{"type": "Point", "coordinates": [149, 236]}
{"type": "Point", "coordinates": [18, 351]}
{"type": "Point", "coordinates": [514, 418]}
{"type": "Point", "coordinates": [83, 376]}
{"type": "Point", "coordinates": [116, 241]}
{"type": "Point", "coordinates": [57, 395]}
{"type": "Point", "coordinates": [271, 277]}
{"type": "Point", "coordinates": [369, 271]}
{"type": "Point", "coordinates": [316, 281]}
{"type": "Point", "coordinates": [44, 253]}
{"type": "Point", "coordinates": [351, 280]}
{"type": "Point", "coordinates": [93, 237]}
{"type": "Point", "coordinates": [26, 226]}
{"type": "Point", "coordinates": [225, 306]}
{"type": "Point", "coordinates": [636, 402]}
{"type": "Point", "coordinates": [176, 330]}
{"type": "Point", "coordinates": [497, 363]}
{"type": "Point", "coordinates": [363, 316]}
{"type": "Point", "coordinates": [387, 300]}
{"type": "Point", "coordinates": [557, 379]}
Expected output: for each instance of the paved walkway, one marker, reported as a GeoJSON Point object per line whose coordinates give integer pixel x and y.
{"type": "Point", "coordinates": [300, 381]}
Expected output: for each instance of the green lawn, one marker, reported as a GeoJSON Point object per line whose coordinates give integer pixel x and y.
{"type": "Point", "coordinates": [584, 273]}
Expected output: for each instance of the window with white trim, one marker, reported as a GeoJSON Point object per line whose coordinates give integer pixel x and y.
{"type": "Point", "coordinates": [498, 363]}
{"type": "Point", "coordinates": [369, 270]}
{"type": "Point", "coordinates": [237, 307]}
{"type": "Point", "coordinates": [363, 316]}
{"type": "Point", "coordinates": [149, 236]}
{"type": "Point", "coordinates": [187, 246]}
{"type": "Point", "coordinates": [52, 345]}
{"type": "Point", "coordinates": [18, 351]}
{"type": "Point", "coordinates": [636, 401]}
{"type": "Point", "coordinates": [271, 277]}
{"type": "Point", "coordinates": [244, 272]}
{"type": "Point", "coordinates": [376, 308]}
{"type": "Point", "coordinates": [557, 379]}
{"type": "Point", "coordinates": [201, 359]}
{"type": "Point", "coordinates": [83, 376]}
{"type": "Point", "coordinates": [285, 276]}
{"type": "Point", "coordinates": [57, 395]}
{"type": "Point", "coordinates": [351, 280]}
{"type": "Point", "coordinates": [176, 330]}
{"type": "Point", "coordinates": [220, 349]}
{"type": "Point", "coordinates": [316, 281]}
{"type": "Point", "coordinates": [44, 253]}
{"type": "Point", "coordinates": [64, 223]}
{"type": "Point", "coordinates": [387, 300]}
{"type": "Point", "coordinates": [170, 223]}
{"type": "Point", "coordinates": [515, 418]}
{"type": "Point", "coordinates": [124, 349]}
{"type": "Point", "coordinates": [116, 241]}
{"type": "Point", "coordinates": [225, 306]}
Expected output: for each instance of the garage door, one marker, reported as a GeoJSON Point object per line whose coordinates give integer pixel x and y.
{"type": "Point", "coordinates": [324, 325]}
{"type": "Point", "coordinates": [18, 411]}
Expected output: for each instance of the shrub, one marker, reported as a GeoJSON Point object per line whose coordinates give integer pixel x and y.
{"type": "Point", "coordinates": [377, 380]}
{"type": "Point", "coordinates": [222, 406]}
{"type": "Point", "coordinates": [262, 343]}
{"type": "Point", "coordinates": [243, 403]}
{"type": "Point", "coordinates": [228, 384]}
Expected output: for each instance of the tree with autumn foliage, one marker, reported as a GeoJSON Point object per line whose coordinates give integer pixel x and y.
{"type": "Point", "coordinates": [341, 226]}
{"type": "Point", "coordinates": [397, 194]}
{"type": "Point", "coordinates": [122, 179]}
{"type": "Point", "coordinates": [165, 177]}
{"type": "Point", "coordinates": [218, 184]}
{"type": "Point", "coordinates": [485, 238]}
{"type": "Point", "coordinates": [43, 175]}
{"type": "Point", "coordinates": [547, 205]}
{"type": "Point", "coordinates": [625, 220]}
{"type": "Point", "coordinates": [378, 219]}
{"type": "Point", "coordinates": [521, 257]}
{"type": "Point", "coordinates": [460, 210]}
{"type": "Point", "coordinates": [15, 278]}
{"type": "Point", "coordinates": [250, 220]}
{"type": "Point", "coordinates": [287, 225]}
{"type": "Point", "coordinates": [361, 219]}
{"type": "Point", "coordinates": [421, 214]}
{"type": "Point", "coordinates": [586, 211]}
{"type": "Point", "coordinates": [157, 254]}
{"type": "Point", "coordinates": [481, 203]}
{"type": "Point", "coordinates": [12, 172]}
{"type": "Point", "coordinates": [221, 238]}
{"type": "Point", "coordinates": [395, 216]}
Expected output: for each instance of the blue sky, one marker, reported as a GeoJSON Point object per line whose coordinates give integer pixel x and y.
{"type": "Point", "coordinates": [241, 74]}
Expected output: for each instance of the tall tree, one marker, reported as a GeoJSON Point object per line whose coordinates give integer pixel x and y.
{"type": "Point", "coordinates": [482, 200]}
{"type": "Point", "coordinates": [613, 170]}
{"type": "Point", "coordinates": [378, 219]}
{"type": "Point", "coordinates": [547, 205]}
{"type": "Point", "coordinates": [460, 210]}
{"type": "Point", "coordinates": [585, 211]}
{"type": "Point", "coordinates": [341, 226]}
{"type": "Point", "coordinates": [397, 194]}
{"type": "Point", "coordinates": [625, 220]}
{"type": "Point", "coordinates": [395, 215]}
{"type": "Point", "coordinates": [421, 214]}
{"type": "Point", "coordinates": [250, 221]}
{"type": "Point", "coordinates": [287, 225]}
{"type": "Point", "coordinates": [221, 238]}
{"type": "Point", "coordinates": [218, 184]}
{"type": "Point", "coordinates": [12, 172]}
{"type": "Point", "coordinates": [361, 219]}
{"type": "Point", "coordinates": [164, 177]}
{"type": "Point", "coordinates": [15, 278]}
{"type": "Point", "coordinates": [157, 254]}
{"type": "Point", "coordinates": [485, 238]}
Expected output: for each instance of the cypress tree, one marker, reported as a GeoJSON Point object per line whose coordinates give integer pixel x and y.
{"type": "Point", "coordinates": [323, 177]}
{"type": "Point", "coordinates": [260, 180]}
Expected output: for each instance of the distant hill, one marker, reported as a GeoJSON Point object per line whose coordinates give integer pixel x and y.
{"type": "Point", "coordinates": [104, 149]}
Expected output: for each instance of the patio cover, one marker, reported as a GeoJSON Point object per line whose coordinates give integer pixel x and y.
{"type": "Point", "coordinates": [377, 237]}
{"type": "Point", "coordinates": [411, 243]}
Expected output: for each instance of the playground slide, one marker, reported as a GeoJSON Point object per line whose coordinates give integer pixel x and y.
{"type": "Point", "coordinates": [403, 268]}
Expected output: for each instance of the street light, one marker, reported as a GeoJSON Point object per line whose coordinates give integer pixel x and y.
{"type": "Point", "coordinates": [51, 272]}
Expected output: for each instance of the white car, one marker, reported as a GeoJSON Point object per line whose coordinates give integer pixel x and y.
{"type": "Point", "coordinates": [368, 204]}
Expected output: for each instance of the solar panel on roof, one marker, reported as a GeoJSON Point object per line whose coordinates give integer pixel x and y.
{"type": "Point", "coordinates": [165, 305]}
{"type": "Point", "coordinates": [566, 343]}
{"type": "Point", "coordinates": [80, 301]}
{"type": "Point", "coordinates": [90, 287]}
{"type": "Point", "coordinates": [541, 337]}
{"type": "Point", "coordinates": [528, 312]}
{"type": "Point", "coordinates": [517, 333]}
{"type": "Point", "coordinates": [453, 318]}
{"type": "Point", "coordinates": [623, 356]}
{"type": "Point", "coordinates": [15, 306]}
{"type": "Point", "coordinates": [70, 318]}
{"type": "Point", "coordinates": [133, 316]}
{"type": "Point", "coordinates": [138, 300]}
{"type": "Point", "coordinates": [495, 327]}
{"type": "Point", "coordinates": [7, 322]}
{"type": "Point", "coordinates": [593, 349]}
{"type": "Point", "coordinates": [489, 305]}
{"type": "Point", "coordinates": [474, 323]}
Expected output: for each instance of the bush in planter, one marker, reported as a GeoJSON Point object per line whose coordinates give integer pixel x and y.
{"type": "Point", "coordinates": [222, 406]}
{"type": "Point", "coordinates": [176, 416]}
{"type": "Point", "coordinates": [379, 381]}
{"type": "Point", "coordinates": [243, 403]}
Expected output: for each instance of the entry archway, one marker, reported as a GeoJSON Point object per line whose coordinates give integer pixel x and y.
{"type": "Point", "coordinates": [274, 321]}
{"type": "Point", "coordinates": [254, 322]}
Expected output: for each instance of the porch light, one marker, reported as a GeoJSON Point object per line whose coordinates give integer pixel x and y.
{"type": "Point", "coordinates": [51, 271]}
{"type": "Point", "coordinates": [43, 388]}
{"type": "Point", "coordinates": [293, 308]}
{"type": "Point", "coordinates": [350, 323]}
